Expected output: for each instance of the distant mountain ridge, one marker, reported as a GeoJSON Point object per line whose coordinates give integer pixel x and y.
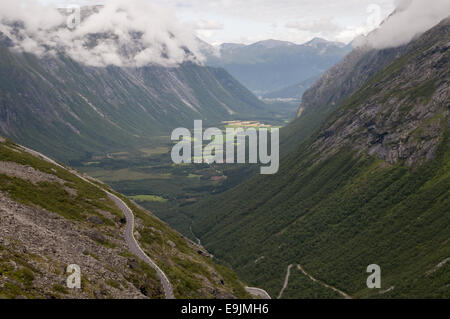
{"type": "Point", "coordinates": [269, 66]}
{"type": "Point", "coordinates": [271, 44]}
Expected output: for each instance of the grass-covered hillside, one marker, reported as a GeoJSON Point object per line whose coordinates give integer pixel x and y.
{"type": "Point", "coordinates": [51, 218]}
{"type": "Point", "coordinates": [371, 186]}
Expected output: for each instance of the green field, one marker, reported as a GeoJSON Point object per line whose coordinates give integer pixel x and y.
{"type": "Point", "coordinates": [149, 176]}
{"type": "Point", "coordinates": [148, 198]}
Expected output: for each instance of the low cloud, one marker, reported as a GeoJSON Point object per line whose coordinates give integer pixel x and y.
{"type": "Point", "coordinates": [130, 33]}
{"type": "Point", "coordinates": [208, 25]}
{"type": "Point", "coordinates": [323, 25]}
{"type": "Point", "coordinates": [329, 29]}
{"type": "Point", "coordinates": [411, 18]}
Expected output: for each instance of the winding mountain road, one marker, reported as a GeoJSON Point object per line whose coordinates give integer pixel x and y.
{"type": "Point", "coordinates": [133, 245]}
{"type": "Point", "coordinates": [136, 249]}
{"type": "Point", "coordinates": [286, 281]}
{"type": "Point", "coordinates": [258, 292]}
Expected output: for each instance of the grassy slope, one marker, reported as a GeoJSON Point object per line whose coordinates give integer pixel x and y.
{"type": "Point", "coordinates": [192, 275]}
{"type": "Point", "coordinates": [187, 269]}
{"type": "Point", "coordinates": [53, 197]}
{"type": "Point", "coordinates": [337, 218]}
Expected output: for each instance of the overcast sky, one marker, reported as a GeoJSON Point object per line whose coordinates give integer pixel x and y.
{"type": "Point", "coordinates": [248, 21]}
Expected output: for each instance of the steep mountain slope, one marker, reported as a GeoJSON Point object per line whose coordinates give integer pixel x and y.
{"type": "Point", "coordinates": [51, 218]}
{"type": "Point", "coordinates": [270, 66]}
{"type": "Point", "coordinates": [71, 111]}
{"type": "Point", "coordinates": [370, 187]}
{"type": "Point", "coordinates": [332, 88]}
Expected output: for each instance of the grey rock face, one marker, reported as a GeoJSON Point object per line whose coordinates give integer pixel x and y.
{"type": "Point", "coordinates": [347, 77]}
{"type": "Point", "coordinates": [49, 243]}
{"type": "Point", "coordinates": [402, 113]}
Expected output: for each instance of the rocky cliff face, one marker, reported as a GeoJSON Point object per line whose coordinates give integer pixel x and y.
{"type": "Point", "coordinates": [402, 113]}
{"type": "Point", "coordinates": [334, 87]}
{"type": "Point", "coordinates": [345, 78]}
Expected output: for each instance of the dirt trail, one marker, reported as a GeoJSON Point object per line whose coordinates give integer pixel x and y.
{"type": "Point", "coordinates": [286, 281]}
{"type": "Point", "coordinates": [346, 296]}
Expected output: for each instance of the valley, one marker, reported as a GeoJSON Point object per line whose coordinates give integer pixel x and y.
{"type": "Point", "coordinates": [148, 176]}
{"type": "Point", "coordinates": [277, 70]}
{"type": "Point", "coordinates": [352, 203]}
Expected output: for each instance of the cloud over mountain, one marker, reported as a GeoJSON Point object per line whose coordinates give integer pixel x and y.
{"type": "Point", "coordinates": [410, 19]}
{"type": "Point", "coordinates": [121, 33]}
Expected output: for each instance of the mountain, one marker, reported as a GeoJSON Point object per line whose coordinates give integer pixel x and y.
{"type": "Point", "coordinates": [72, 111]}
{"type": "Point", "coordinates": [52, 216]}
{"type": "Point", "coordinates": [369, 186]}
{"type": "Point", "coordinates": [337, 84]}
{"type": "Point", "coordinates": [294, 92]}
{"type": "Point", "coordinates": [272, 44]}
{"type": "Point", "coordinates": [269, 66]}
{"type": "Point", "coordinates": [231, 46]}
{"type": "Point", "coordinates": [322, 43]}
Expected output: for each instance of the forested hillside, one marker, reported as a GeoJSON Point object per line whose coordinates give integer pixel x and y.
{"type": "Point", "coordinates": [371, 186]}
